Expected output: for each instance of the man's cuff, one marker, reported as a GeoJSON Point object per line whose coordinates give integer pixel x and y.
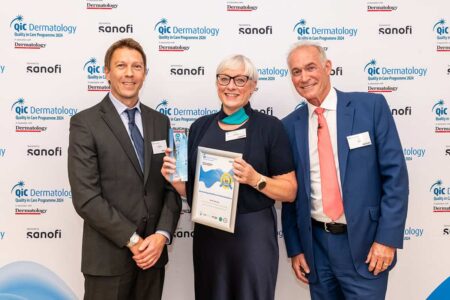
{"type": "Point", "coordinates": [166, 234]}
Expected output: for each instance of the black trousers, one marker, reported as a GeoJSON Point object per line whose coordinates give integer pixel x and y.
{"type": "Point", "coordinates": [136, 284]}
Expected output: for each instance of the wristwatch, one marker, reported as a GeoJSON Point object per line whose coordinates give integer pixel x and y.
{"type": "Point", "coordinates": [134, 239]}
{"type": "Point", "coordinates": [261, 184]}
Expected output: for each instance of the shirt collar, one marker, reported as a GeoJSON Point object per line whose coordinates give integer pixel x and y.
{"type": "Point", "coordinates": [330, 103]}
{"type": "Point", "coordinates": [120, 107]}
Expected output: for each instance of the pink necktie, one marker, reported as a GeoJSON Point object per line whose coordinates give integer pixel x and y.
{"type": "Point", "coordinates": [331, 195]}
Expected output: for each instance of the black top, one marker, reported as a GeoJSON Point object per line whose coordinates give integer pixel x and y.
{"type": "Point", "coordinates": [266, 148]}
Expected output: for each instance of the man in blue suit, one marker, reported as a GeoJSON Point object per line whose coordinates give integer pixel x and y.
{"type": "Point", "coordinates": [343, 243]}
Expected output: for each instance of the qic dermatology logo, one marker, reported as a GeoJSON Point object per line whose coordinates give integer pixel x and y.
{"type": "Point", "coordinates": [412, 153]}
{"type": "Point", "coordinates": [174, 38]}
{"type": "Point", "coordinates": [182, 115]}
{"type": "Point", "coordinates": [28, 35]}
{"type": "Point", "coordinates": [441, 197]}
{"type": "Point", "coordinates": [316, 33]}
{"type": "Point", "coordinates": [442, 32]}
{"type": "Point", "coordinates": [412, 233]}
{"type": "Point", "coordinates": [36, 118]}
{"type": "Point", "coordinates": [384, 79]}
{"type": "Point", "coordinates": [271, 73]}
{"type": "Point", "coordinates": [95, 75]}
{"type": "Point", "coordinates": [37, 201]}
{"type": "Point", "coordinates": [441, 117]}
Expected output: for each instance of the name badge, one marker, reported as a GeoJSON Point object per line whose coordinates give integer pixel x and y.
{"type": "Point", "coordinates": [359, 140]}
{"type": "Point", "coordinates": [159, 146]}
{"type": "Point", "coordinates": [235, 134]}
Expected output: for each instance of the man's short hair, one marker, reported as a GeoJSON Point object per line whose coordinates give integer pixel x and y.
{"type": "Point", "coordinates": [298, 45]}
{"type": "Point", "coordinates": [124, 43]}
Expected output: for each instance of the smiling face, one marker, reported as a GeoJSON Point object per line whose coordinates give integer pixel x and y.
{"type": "Point", "coordinates": [232, 96]}
{"type": "Point", "coordinates": [309, 74]}
{"type": "Point", "coordinates": [126, 75]}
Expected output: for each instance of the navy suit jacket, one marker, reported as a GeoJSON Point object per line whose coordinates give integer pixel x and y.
{"type": "Point", "coordinates": [374, 180]}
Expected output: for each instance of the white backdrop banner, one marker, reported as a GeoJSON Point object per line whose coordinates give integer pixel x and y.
{"type": "Point", "coordinates": [51, 67]}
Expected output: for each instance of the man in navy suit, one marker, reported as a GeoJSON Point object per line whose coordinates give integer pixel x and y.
{"type": "Point", "coordinates": [342, 243]}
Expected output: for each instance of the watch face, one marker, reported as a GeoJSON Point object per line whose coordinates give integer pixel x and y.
{"type": "Point", "coordinates": [261, 185]}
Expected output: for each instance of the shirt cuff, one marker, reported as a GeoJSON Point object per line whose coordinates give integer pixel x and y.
{"type": "Point", "coordinates": [166, 234]}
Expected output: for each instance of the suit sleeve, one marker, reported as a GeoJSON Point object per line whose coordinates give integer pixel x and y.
{"type": "Point", "coordinates": [171, 209]}
{"type": "Point", "coordinates": [290, 230]}
{"type": "Point", "coordinates": [394, 178]}
{"type": "Point", "coordinates": [84, 177]}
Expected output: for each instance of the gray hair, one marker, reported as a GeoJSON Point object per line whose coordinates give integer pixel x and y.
{"type": "Point", "coordinates": [298, 45]}
{"type": "Point", "coordinates": [236, 61]}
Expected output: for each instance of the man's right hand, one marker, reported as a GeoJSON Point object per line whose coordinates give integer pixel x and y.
{"type": "Point", "coordinates": [300, 267]}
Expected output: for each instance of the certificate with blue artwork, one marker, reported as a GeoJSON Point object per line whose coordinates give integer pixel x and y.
{"type": "Point", "coordinates": [216, 192]}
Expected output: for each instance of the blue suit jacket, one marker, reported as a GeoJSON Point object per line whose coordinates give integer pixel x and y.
{"type": "Point", "coordinates": [374, 180]}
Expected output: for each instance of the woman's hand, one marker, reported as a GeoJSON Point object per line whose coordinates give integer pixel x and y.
{"type": "Point", "coordinates": [244, 172]}
{"type": "Point", "coordinates": [169, 166]}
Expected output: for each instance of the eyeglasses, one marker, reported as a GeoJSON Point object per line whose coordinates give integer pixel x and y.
{"type": "Point", "coordinates": [239, 80]}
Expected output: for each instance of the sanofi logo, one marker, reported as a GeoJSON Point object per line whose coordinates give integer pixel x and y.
{"type": "Point", "coordinates": [440, 28]}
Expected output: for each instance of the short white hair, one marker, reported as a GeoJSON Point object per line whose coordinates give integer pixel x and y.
{"type": "Point", "coordinates": [237, 61]}
{"type": "Point", "coordinates": [298, 45]}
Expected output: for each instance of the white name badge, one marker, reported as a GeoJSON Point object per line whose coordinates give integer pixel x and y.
{"type": "Point", "coordinates": [159, 146]}
{"type": "Point", "coordinates": [235, 134]}
{"type": "Point", "coordinates": [359, 140]}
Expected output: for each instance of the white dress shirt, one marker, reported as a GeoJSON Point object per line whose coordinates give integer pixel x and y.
{"type": "Point", "coordinates": [330, 105]}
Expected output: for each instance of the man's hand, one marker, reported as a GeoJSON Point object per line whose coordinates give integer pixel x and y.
{"type": "Point", "coordinates": [300, 267]}
{"type": "Point", "coordinates": [147, 252]}
{"type": "Point", "coordinates": [379, 258]}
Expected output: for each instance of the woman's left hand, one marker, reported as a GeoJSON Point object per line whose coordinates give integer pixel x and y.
{"type": "Point", "coordinates": [244, 172]}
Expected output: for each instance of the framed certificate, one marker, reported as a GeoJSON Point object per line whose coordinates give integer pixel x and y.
{"type": "Point", "coordinates": [215, 194]}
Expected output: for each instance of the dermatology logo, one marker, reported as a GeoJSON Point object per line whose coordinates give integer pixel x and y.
{"type": "Point", "coordinates": [2, 152]}
{"type": "Point", "coordinates": [107, 27]}
{"type": "Point", "coordinates": [403, 111]}
{"type": "Point", "coordinates": [248, 29]}
{"type": "Point", "coordinates": [441, 197]}
{"type": "Point", "coordinates": [38, 151]}
{"type": "Point", "coordinates": [29, 35]}
{"type": "Point", "coordinates": [442, 32]}
{"type": "Point", "coordinates": [37, 118]}
{"type": "Point", "coordinates": [271, 73]}
{"type": "Point", "coordinates": [385, 79]}
{"type": "Point", "coordinates": [412, 153]}
{"type": "Point", "coordinates": [100, 5]}
{"type": "Point", "coordinates": [36, 233]}
{"type": "Point", "coordinates": [174, 38]}
{"type": "Point", "coordinates": [95, 75]}
{"type": "Point", "coordinates": [392, 30]}
{"type": "Point", "coordinates": [380, 7]}
{"type": "Point", "coordinates": [36, 68]}
{"type": "Point", "coordinates": [179, 115]}
{"type": "Point", "coordinates": [240, 6]}
{"type": "Point", "coordinates": [316, 33]}
{"type": "Point", "coordinates": [441, 117]}
{"type": "Point", "coordinates": [37, 201]}
{"type": "Point", "coordinates": [180, 70]}
{"type": "Point", "coordinates": [3, 69]}
{"type": "Point", "coordinates": [413, 233]}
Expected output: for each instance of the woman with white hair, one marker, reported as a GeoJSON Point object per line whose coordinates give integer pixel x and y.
{"type": "Point", "coordinates": [242, 265]}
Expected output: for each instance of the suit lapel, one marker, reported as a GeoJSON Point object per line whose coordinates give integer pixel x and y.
{"type": "Point", "coordinates": [345, 115]}
{"type": "Point", "coordinates": [112, 119]}
{"type": "Point", "coordinates": [302, 140]}
{"type": "Point", "coordinates": [148, 127]}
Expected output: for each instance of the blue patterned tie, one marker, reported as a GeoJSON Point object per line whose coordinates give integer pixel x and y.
{"type": "Point", "coordinates": [136, 136]}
